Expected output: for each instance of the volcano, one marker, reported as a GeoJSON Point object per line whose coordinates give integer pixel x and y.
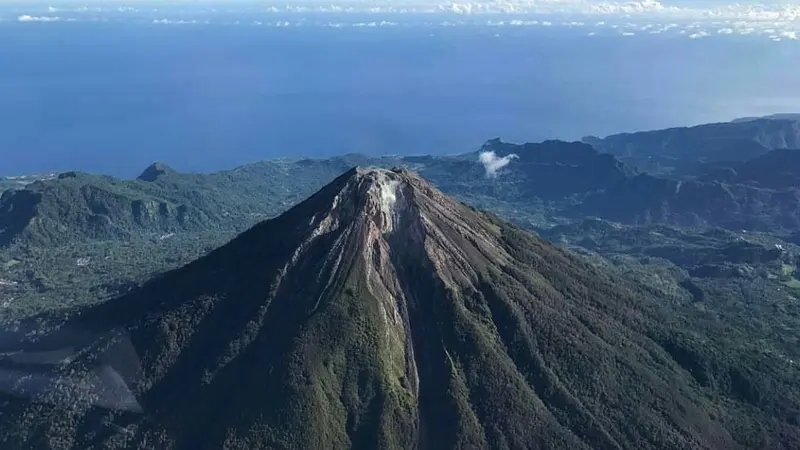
{"type": "Point", "coordinates": [378, 313]}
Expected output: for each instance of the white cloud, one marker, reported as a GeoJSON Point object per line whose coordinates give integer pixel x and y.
{"type": "Point", "coordinates": [381, 24]}
{"type": "Point", "coordinates": [730, 10]}
{"type": "Point", "coordinates": [628, 33]}
{"type": "Point", "coordinates": [27, 18]}
{"type": "Point", "coordinates": [633, 16]}
{"type": "Point", "coordinates": [632, 7]}
{"type": "Point", "coordinates": [650, 8]}
{"type": "Point", "coordinates": [493, 163]}
{"type": "Point", "coordinates": [176, 22]}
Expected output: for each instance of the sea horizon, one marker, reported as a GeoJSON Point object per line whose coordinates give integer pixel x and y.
{"type": "Point", "coordinates": [211, 96]}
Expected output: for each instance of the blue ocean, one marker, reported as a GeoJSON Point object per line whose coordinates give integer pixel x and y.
{"type": "Point", "coordinates": [114, 96]}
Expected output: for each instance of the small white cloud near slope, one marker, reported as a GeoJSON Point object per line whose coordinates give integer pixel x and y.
{"type": "Point", "coordinates": [493, 163]}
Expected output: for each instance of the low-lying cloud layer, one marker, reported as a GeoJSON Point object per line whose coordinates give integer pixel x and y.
{"type": "Point", "coordinates": [493, 163]}
{"type": "Point", "coordinates": [775, 21]}
{"type": "Point", "coordinates": [732, 10]}
{"type": "Point", "coordinates": [29, 18]}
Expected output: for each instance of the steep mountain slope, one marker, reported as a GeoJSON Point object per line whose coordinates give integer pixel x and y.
{"type": "Point", "coordinates": [681, 151]}
{"type": "Point", "coordinates": [381, 314]}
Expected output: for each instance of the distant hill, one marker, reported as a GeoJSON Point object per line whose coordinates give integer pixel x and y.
{"type": "Point", "coordinates": [379, 313]}
{"type": "Point", "coordinates": [679, 151]}
{"type": "Point", "coordinates": [156, 171]}
{"type": "Point", "coordinates": [778, 169]}
{"type": "Point", "coordinates": [552, 170]}
{"type": "Point", "coordinates": [561, 177]}
{"type": "Point", "coordinates": [83, 238]}
{"type": "Point", "coordinates": [21, 181]}
{"type": "Point", "coordinates": [645, 199]}
{"type": "Point", "coordinates": [87, 206]}
{"type": "Point", "coordinates": [84, 206]}
{"type": "Point", "coordinates": [779, 116]}
{"type": "Point", "coordinates": [580, 182]}
{"type": "Point", "coordinates": [759, 194]}
{"type": "Point", "coordinates": [161, 200]}
{"type": "Point", "coordinates": [685, 247]}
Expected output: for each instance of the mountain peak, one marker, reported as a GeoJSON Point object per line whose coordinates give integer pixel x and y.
{"type": "Point", "coordinates": [155, 171]}
{"type": "Point", "coordinates": [373, 193]}
{"type": "Point", "coordinates": [399, 212]}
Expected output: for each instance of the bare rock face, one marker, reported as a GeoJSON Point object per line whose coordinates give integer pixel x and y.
{"type": "Point", "coordinates": [379, 313]}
